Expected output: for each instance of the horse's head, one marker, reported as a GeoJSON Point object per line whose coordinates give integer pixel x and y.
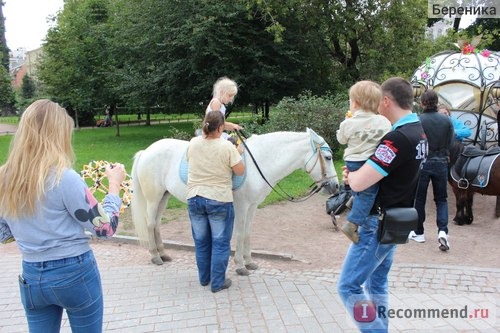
{"type": "Point", "coordinates": [319, 164]}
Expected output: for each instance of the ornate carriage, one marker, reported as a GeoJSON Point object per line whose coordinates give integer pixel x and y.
{"type": "Point", "coordinates": [468, 82]}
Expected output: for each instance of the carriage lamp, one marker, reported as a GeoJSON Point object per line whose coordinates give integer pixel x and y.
{"type": "Point", "coordinates": [418, 89]}
{"type": "Point", "coordinates": [495, 91]}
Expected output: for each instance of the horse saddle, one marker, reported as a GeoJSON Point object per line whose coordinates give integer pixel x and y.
{"type": "Point", "coordinates": [473, 167]}
{"type": "Point", "coordinates": [184, 170]}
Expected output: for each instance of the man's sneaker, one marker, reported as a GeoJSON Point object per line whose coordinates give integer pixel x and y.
{"type": "Point", "coordinates": [416, 238]}
{"type": "Point", "coordinates": [351, 231]}
{"type": "Point", "coordinates": [444, 245]}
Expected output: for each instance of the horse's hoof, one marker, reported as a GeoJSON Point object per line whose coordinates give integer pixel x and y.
{"type": "Point", "coordinates": [242, 271]}
{"type": "Point", "coordinates": [458, 222]}
{"type": "Point", "coordinates": [157, 261]}
{"type": "Point", "coordinates": [468, 222]}
{"type": "Point", "coordinates": [166, 258]}
{"type": "Point", "coordinates": [251, 266]}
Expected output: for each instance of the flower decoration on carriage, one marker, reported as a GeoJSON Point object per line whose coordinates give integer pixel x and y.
{"type": "Point", "coordinates": [471, 48]}
{"type": "Point", "coordinates": [425, 73]}
{"type": "Point", "coordinates": [95, 171]}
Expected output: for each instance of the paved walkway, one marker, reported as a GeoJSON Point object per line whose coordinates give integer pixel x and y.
{"type": "Point", "coordinates": [7, 129]}
{"type": "Point", "coordinates": [142, 297]}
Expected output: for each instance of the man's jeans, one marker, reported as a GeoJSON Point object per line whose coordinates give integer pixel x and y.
{"type": "Point", "coordinates": [212, 227]}
{"type": "Point", "coordinates": [73, 284]}
{"type": "Point", "coordinates": [363, 201]}
{"type": "Point", "coordinates": [437, 172]}
{"type": "Point", "coordinates": [367, 264]}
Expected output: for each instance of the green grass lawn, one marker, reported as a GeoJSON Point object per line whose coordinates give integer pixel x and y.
{"type": "Point", "coordinates": [103, 144]}
{"type": "Point", "coordinates": [155, 118]}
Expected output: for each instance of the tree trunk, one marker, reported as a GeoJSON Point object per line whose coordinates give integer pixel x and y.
{"type": "Point", "coordinates": [456, 23]}
{"type": "Point", "coordinates": [114, 110]}
{"type": "Point", "coordinates": [77, 124]}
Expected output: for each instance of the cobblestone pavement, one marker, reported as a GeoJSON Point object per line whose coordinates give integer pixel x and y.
{"type": "Point", "coordinates": [142, 297]}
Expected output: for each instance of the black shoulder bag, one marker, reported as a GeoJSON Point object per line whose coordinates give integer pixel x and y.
{"type": "Point", "coordinates": [395, 223]}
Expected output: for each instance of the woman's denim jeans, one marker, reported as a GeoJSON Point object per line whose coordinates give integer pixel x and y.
{"type": "Point", "coordinates": [367, 264]}
{"type": "Point", "coordinates": [363, 201]}
{"type": "Point", "coordinates": [437, 172]}
{"type": "Point", "coordinates": [212, 227]}
{"type": "Point", "coordinates": [73, 284]}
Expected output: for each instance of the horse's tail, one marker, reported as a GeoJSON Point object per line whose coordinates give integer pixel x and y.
{"type": "Point", "coordinates": [138, 205]}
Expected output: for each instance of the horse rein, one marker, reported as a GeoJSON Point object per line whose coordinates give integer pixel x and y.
{"type": "Point", "coordinates": [283, 193]}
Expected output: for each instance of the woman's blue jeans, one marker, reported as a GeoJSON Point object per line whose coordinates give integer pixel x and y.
{"type": "Point", "coordinates": [437, 172]}
{"type": "Point", "coordinates": [73, 284]}
{"type": "Point", "coordinates": [212, 228]}
{"type": "Point", "coordinates": [364, 200]}
{"type": "Point", "coordinates": [364, 274]}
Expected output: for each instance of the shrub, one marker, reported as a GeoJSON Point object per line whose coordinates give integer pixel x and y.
{"type": "Point", "coordinates": [323, 114]}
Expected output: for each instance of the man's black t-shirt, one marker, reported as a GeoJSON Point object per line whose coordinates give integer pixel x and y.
{"type": "Point", "coordinates": [398, 158]}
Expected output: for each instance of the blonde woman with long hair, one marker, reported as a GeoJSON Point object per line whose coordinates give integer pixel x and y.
{"type": "Point", "coordinates": [46, 207]}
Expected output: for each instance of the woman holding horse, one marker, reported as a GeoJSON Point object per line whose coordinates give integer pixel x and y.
{"type": "Point", "coordinates": [212, 162]}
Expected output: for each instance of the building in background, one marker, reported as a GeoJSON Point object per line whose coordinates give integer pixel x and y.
{"type": "Point", "coordinates": [439, 29]}
{"type": "Point", "coordinates": [23, 62]}
{"type": "Point", "coordinates": [16, 58]}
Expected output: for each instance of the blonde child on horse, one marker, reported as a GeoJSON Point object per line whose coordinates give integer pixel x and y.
{"type": "Point", "coordinates": [223, 93]}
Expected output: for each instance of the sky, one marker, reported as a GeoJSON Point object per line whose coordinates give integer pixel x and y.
{"type": "Point", "coordinates": [26, 21]}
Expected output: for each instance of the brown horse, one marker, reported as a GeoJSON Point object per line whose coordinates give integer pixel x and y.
{"type": "Point", "coordinates": [465, 162]}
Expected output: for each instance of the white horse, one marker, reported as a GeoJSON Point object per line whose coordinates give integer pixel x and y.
{"type": "Point", "coordinates": [156, 176]}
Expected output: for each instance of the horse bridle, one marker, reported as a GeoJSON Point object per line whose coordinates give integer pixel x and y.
{"type": "Point", "coordinates": [319, 157]}
{"type": "Point", "coordinates": [315, 188]}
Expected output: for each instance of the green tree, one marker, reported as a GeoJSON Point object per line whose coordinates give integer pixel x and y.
{"type": "Point", "coordinates": [75, 67]}
{"type": "Point", "coordinates": [4, 49]}
{"type": "Point", "coordinates": [189, 44]}
{"type": "Point", "coordinates": [7, 97]}
{"type": "Point", "coordinates": [490, 31]}
{"type": "Point", "coordinates": [363, 39]}
{"type": "Point", "coordinates": [28, 88]}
